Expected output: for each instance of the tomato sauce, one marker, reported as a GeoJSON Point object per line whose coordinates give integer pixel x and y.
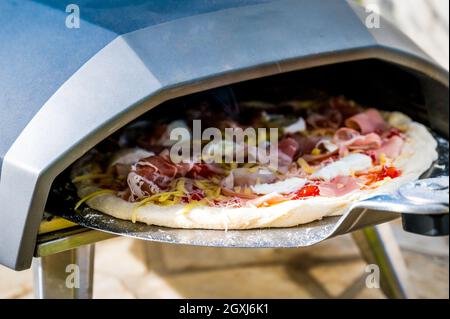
{"type": "Point", "coordinates": [386, 171]}
{"type": "Point", "coordinates": [307, 191]}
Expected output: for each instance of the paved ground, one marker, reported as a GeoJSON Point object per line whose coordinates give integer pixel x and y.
{"type": "Point", "coordinates": [126, 268]}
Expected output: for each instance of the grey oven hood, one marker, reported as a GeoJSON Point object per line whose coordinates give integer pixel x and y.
{"type": "Point", "coordinates": [64, 90]}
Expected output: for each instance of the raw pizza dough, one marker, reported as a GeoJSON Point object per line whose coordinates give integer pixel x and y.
{"type": "Point", "coordinates": [418, 154]}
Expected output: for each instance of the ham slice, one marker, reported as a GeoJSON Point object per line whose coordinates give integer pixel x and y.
{"type": "Point", "coordinates": [391, 148]}
{"type": "Point", "coordinates": [339, 186]}
{"type": "Point", "coordinates": [353, 140]}
{"type": "Point", "coordinates": [367, 122]}
{"type": "Point", "coordinates": [345, 136]}
{"type": "Point", "coordinates": [366, 142]}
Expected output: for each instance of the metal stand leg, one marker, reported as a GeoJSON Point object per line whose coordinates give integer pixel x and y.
{"type": "Point", "coordinates": [378, 246]}
{"type": "Point", "coordinates": [65, 275]}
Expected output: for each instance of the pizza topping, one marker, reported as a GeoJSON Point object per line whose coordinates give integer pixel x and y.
{"type": "Point", "coordinates": [367, 122]}
{"type": "Point", "coordinates": [248, 177]}
{"type": "Point", "coordinates": [92, 195]}
{"type": "Point", "coordinates": [267, 200]}
{"type": "Point", "coordinates": [381, 174]}
{"type": "Point", "coordinates": [307, 191]}
{"type": "Point", "coordinates": [283, 187]}
{"type": "Point", "coordinates": [298, 126]}
{"type": "Point", "coordinates": [239, 192]}
{"type": "Point", "coordinates": [324, 146]}
{"type": "Point", "coordinates": [339, 186]}
{"type": "Point", "coordinates": [203, 170]}
{"type": "Point", "coordinates": [305, 166]}
{"type": "Point", "coordinates": [390, 148]}
{"type": "Point", "coordinates": [399, 121]}
{"type": "Point", "coordinates": [390, 172]}
{"type": "Point", "coordinates": [154, 174]}
{"type": "Point", "coordinates": [157, 170]}
{"type": "Point", "coordinates": [328, 148]}
{"type": "Point", "coordinates": [287, 148]}
{"type": "Point", "coordinates": [344, 167]}
{"type": "Point", "coordinates": [366, 142]}
{"type": "Point", "coordinates": [353, 140]}
{"type": "Point", "coordinates": [130, 156]}
{"type": "Point", "coordinates": [345, 136]}
{"type": "Point", "coordinates": [140, 187]}
{"type": "Point", "coordinates": [314, 158]}
{"type": "Point", "coordinates": [305, 143]}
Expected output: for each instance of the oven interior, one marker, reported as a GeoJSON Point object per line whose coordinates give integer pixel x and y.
{"type": "Point", "coordinates": [373, 83]}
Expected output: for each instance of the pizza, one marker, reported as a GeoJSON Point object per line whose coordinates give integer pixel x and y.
{"type": "Point", "coordinates": [329, 153]}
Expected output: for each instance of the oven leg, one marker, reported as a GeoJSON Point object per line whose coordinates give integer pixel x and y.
{"type": "Point", "coordinates": [65, 275]}
{"type": "Point", "coordinates": [379, 247]}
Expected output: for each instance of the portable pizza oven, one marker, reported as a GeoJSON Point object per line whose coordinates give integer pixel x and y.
{"type": "Point", "coordinates": [65, 87]}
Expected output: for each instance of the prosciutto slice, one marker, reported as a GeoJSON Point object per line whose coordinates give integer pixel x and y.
{"type": "Point", "coordinates": [203, 170]}
{"type": "Point", "coordinates": [157, 170]}
{"type": "Point", "coordinates": [153, 174]}
{"type": "Point", "coordinates": [367, 122]}
{"type": "Point", "coordinates": [353, 140]}
{"type": "Point", "coordinates": [339, 186]}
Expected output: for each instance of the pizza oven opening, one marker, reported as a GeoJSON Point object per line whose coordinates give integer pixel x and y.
{"type": "Point", "coordinates": [371, 83]}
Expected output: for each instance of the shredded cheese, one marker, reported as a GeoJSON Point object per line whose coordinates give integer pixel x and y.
{"type": "Point", "coordinates": [305, 166]}
{"type": "Point", "coordinates": [92, 195]}
{"type": "Point", "coordinates": [253, 169]}
{"type": "Point", "coordinates": [160, 197]}
{"type": "Point", "coordinates": [383, 159]}
{"type": "Point", "coordinates": [180, 186]}
{"type": "Point", "coordinates": [188, 207]}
